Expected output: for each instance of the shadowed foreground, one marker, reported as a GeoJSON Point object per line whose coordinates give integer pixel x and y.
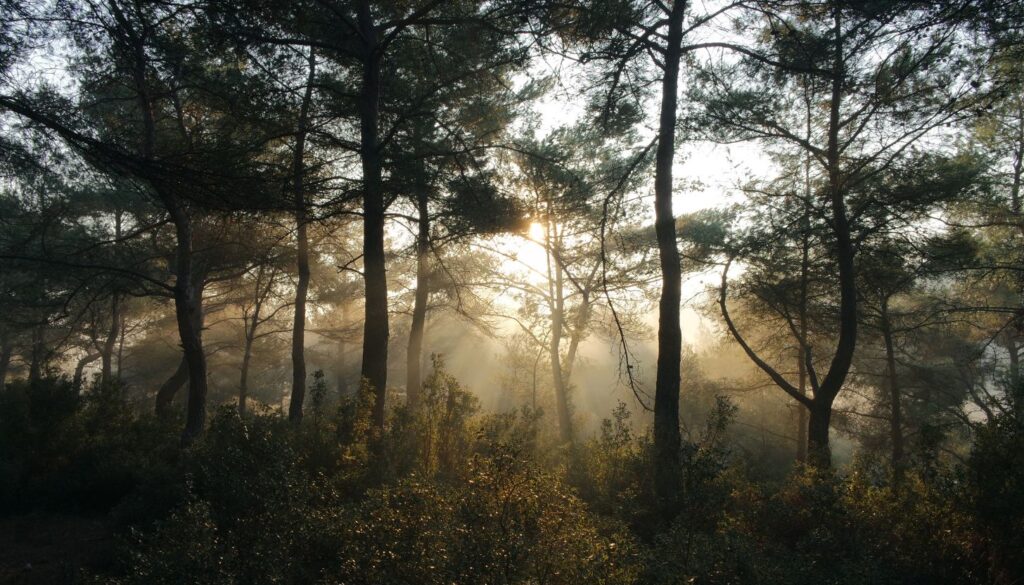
{"type": "Point", "coordinates": [448, 495]}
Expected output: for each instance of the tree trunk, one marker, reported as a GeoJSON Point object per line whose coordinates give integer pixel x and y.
{"type": "Point", "coordinates": [343, 358]}
{"type": "Point", "coordinates": [819, 452]}
{"type": "Point", "coordinates": [187, 296]}
{"type": "Point", "coordinates": [556, 305]}
{"type": "Point", "coordinates": [375, 329]}
{"type": "Point", "coordinates": [558, 377]}
{"type": "Point", "coordinates": [165, 395]}
{"type": "Point", "coordinates": [843, 356]}
{"type": "Point", "coordinates": [188, 304]}
{"type": "Point", "coordinates": [250, 326]}
{"type": "Point", "coordinates": [666, 395]}
{"type": "Point", "coordinates": [107, 352]}
{"type": "Point", "coordinates": [6, 349]}
{"type": "Point", "coordinates": [801, 411]}
{"type": "Point", "coordinates": [895, 406]}
{"type": "Point", "coordinates": [413, 361]}
{"type": "Point", "coordinates": [84, 361]}
{"type": "Point", "coordinates": [302, 252]}
{"type": "Point", "coordinates": [243, 382]}
{"type": "Point", "coordinates": [579, 329]}
{"type": "Point", "coordinates": [110, 342]}
{"type": "Point", "coordinates": [803, 349]}
{"type": "Point", "coordinates": [36, 365]}
{"type": "Point", "coordinates": [120, 347]}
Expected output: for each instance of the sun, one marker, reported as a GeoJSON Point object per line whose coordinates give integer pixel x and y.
{"type": "Point", "coordinates": [536, 232]}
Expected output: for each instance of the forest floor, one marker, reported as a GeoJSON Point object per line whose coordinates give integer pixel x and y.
{"type": "Point", "coordinates": [52, 548]}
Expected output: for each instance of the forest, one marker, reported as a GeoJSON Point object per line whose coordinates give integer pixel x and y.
{"type": "Point", "coordinates": [539, 292]}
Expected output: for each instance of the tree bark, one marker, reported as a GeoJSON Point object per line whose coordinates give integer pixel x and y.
{"type": "Point", "coordinates": [107, 352]}
{"type": "Point", "coordinates": [302, 237]}
{"type": "Point", "coordinates": [6, 349]}
{"type": "Point", "coordinates": [666, 396]}
{"type": "Point", "coordinates": [187, 296]}
{"type": "Point", "coordinates": [803, 348]}
{"type": "Point", "coordinates": [413, 361]}
{"type": "Point", "coordinates": [243, 382]}
{"type": "Point", "coordinates": [579, 329]}
{"type": "Point", "coordinates": [375, 329]}
{"type": "Point", "coordinates": [165, 395]}
{"type": "Point", "coordinates": [84, 361]}
{"type": "Point", "coordinates": [120, 347]}
{"type": "Point", "coordinates": [819, 451]}
{"type": "Point", "coordinates": [843, 356]}
{"type": "Point", "coordinates": [895, 406]}
{"type": "Point", "coordinates": [188, 304]}
{"type": "Point", "coordinates": [556, 305]}
{"type": "Point", "coordinates": [557, 375]}
{"type": "Point", "coordinates": [110, 342]}
{"type": "Point", "coordinates": [801, 411]}
{"type": "Point", "coordinates": [188, 299]}
{"type": "Point", "coordinates": [251, 324]}
{"type": "Point", "coordinates": [36, 365]}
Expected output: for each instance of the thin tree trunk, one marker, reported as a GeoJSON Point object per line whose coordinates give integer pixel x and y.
{"type": "Point", "coordinates": [1015, 331]}
{"type": "Point", "coordinates": [6, 349]}
{"type": "Point", "coordinates": [895, 406]}
{"type": "Point", "coordinates": [803, 349]}
{"type": "Point", "coordinates": [556, 305]}
{"type": "Point", "coordinates": [343, 359]}
{"type": "Point", "coordinates": [251, 325]}
{"type": "Point", "coordinates": [819, 451]}
{"type": "Point", "coordinates": [1013, 351]}
{"type": "Point", "coordinates": [120, 347]}
{"type": "Point", "coordinates": [301, 219]}
{"type": "Point", "coordinates": [110, 342]}
{"type": "Point", "coordinates": [165, 395]}
{"type": "Point", "coordinates": [188, 299]}
{"type": "Point", "coordinates": [558, 377]}
{"type": "Point", "coordinates": [666, 395]}
{"type": "Point", "coordinates": [107, 353]}
{"type": "Point", "coordinates": [187, 303]}
{"type": "Point", "coordinates": [579, 328]}
{"type": "Point", "coordinates": [801, 412]}
{"type": "Point", "coordinates": [243, 382]}
{"type": "Point", "coordinates": [36, 365]}
{"type": "Point", "coordinates": [84, 361]}
{"type": "Point", "coordinates": [375, 329]}
{"type": "Point", "coordinates": [413, 362]}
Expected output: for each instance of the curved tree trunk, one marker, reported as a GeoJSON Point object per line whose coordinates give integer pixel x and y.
{"type": "Point", "coordinates": [670, 342]}
{"type": "Point", "coordinates": [375, 329]}
{"type": "Point", "coordinates": [84, 361]}
{"type": "Point", "coordinates": [843, 358]}
{"type": "Point", "coordinates": [188, 303]}
{"type": "Point", "coordinates": [579, 328]}
{"type": "Point", "coordinates": [187, 293]}
{"type": "Point", "coordinates": [165, 395]}
{"type": "Point", "coordinates": [302, 252]}
{"type": "Point", "coordinates": [414, 356]}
